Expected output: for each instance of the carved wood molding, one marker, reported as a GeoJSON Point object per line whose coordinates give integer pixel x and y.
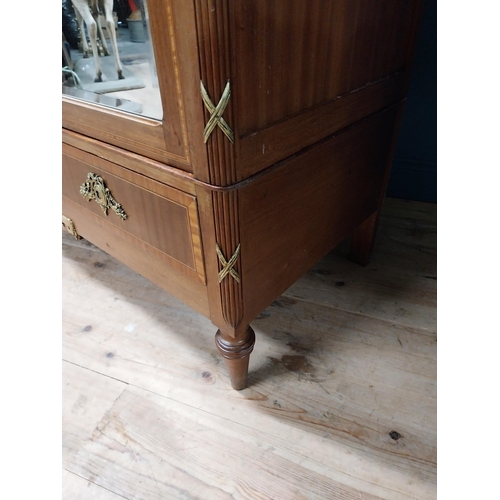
{"type": "Point", "coordinates": [227, 238]}
{"type": "Point", "coordinates": [238, 349]}
{"type": "Point", "coordinates": [212, 19]}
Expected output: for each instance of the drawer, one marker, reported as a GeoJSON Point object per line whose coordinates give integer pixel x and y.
{"type": "Point", "coordinates": [158, 220]}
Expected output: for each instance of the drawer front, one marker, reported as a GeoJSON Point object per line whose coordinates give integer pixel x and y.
{"type": "Point", "coordinates": [160, 219]}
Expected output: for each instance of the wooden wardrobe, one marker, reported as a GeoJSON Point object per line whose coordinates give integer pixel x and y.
{"type": "Point", "coordinates": [278, 129]}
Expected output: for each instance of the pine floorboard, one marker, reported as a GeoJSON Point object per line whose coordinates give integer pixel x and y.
{"type": "Point", "coordinates": [341, 400]}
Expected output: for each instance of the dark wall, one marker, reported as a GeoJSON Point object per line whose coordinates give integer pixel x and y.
{"type": "Point", "coordinates": [414, 169]}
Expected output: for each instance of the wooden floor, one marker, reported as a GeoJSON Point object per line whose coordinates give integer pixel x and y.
{"type": "Point", "coordinates": [342, 395]}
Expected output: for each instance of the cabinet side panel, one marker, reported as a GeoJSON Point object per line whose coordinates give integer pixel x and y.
{"type": "Point", "coordinates": [293, 216]}
{"type": "Point", "coordinates": [291, 56]}
{"type": "Point", "coordinates": [270, 145]}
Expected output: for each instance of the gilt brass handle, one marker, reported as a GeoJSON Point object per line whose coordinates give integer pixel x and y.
{"type": "Point", "coordinates": [94, 188]}
{"type": "Point", "coordinates": [68, 224]}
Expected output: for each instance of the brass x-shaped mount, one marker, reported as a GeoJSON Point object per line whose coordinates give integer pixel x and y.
{"type": "Point", "coordinates": [216, 113]}
{"type": "Point", "coordinates": [227, 266]}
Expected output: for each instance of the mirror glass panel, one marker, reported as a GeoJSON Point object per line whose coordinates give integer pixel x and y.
{"type": "Point", "coordinates": [107, 55]}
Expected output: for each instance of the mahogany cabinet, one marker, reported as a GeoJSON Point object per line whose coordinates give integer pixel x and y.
{"type": "Point", "coordinates": [274, 143]}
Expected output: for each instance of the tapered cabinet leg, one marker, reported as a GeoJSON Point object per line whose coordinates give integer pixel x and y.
{"type": "Point", "coordinates": [236, 353]}
{"type": "Point", "coordinates": [362, 240]}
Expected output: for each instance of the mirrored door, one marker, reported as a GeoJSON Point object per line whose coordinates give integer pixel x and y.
{"type": "Point", "coordinates": [108, 57]}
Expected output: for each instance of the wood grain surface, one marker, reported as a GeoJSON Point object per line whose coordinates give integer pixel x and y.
{"type": "Point", "coordinates": [77, 488]}
{"type": "Point", "coordinates": [293, 216]}
{"type": "Point", "coordinates": [341, 400]}
{"type": "Point", "coordinates": [159, 216]}
{"type": "Point", "coordinates": [292, 57]}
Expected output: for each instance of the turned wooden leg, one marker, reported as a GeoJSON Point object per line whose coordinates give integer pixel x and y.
{"type": "Point", "coordinates": [362, 240]}
{"type": "Point", "coordinates": [236, 353]}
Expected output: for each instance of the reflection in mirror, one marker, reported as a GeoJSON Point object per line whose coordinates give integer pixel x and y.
{"type": "Point", "coordinates": [108, 56]}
